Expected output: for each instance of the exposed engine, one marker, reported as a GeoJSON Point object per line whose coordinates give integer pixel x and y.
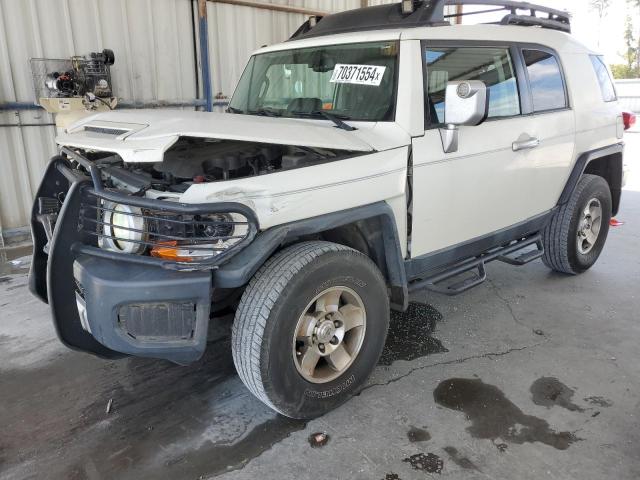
{"type": "Point", "coordinates": [196, 160]}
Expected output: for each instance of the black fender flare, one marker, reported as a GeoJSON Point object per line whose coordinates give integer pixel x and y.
{"type": "Point", "coordinates": [239, 270]}
{"type": "Point", "coordinates": [616, 151]}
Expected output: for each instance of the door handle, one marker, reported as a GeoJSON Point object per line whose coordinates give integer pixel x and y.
{"type": "Point", "coordinates": [526, 144]}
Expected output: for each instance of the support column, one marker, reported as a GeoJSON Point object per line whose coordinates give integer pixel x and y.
{"type": "Point", "coordinates": [205, 64]}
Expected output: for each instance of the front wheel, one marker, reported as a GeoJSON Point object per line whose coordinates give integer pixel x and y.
{"type": "Point", "coordinates": [575, 237]}
{"type": "Point", "coordinates": [310, 328]}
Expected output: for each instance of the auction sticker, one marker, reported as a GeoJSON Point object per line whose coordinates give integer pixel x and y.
{"type": "Point", "coordinates": [358, 74]}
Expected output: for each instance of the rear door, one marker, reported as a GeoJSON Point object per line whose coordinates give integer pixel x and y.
{"type": "Point", "coordinates": [551, 122]}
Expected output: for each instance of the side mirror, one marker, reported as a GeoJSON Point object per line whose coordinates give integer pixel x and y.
{"type": "Point", "coordinates": [466, 103]}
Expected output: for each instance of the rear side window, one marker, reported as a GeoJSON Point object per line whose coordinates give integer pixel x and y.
{"type": "Point", "coordinates": [491, 65]}
{"type": "Point", "coordinates": [545, 77]}
{"type": "Point", "coordinates": [604, 79]}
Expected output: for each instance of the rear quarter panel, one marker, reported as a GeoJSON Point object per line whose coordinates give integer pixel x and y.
{"type": "Point", "coordinates": [597, 122]}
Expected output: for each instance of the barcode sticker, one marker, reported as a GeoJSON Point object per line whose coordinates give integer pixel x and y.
{"type": "Point", "coordinates": [358, 74]}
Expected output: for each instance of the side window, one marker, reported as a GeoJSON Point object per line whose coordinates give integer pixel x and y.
{"type": "Point", "coordinates": [491, 65]}
{"type": "Point", "coordinates": [604, 79]}
{"type": "Point", "coordinates": [545, 77]}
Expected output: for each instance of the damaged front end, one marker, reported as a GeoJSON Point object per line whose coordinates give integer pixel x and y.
{"type": "Point", "coordinates": [131, 222]}
{"type": "Point", "coordinates": [125, 268]}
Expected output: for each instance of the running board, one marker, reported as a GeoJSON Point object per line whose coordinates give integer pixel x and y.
{"type": "Point", "coordinates": [502, 254]}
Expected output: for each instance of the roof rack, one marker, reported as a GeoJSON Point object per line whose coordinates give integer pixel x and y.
{"type": "Point", "coordinates": [430, 13]}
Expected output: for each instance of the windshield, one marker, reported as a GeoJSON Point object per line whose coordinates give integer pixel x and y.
{"type": "Point", "coordinates": [350, 82]}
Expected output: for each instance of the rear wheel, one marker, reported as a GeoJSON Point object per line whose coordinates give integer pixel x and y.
{"type": "Point", "coordinates": [575, 237]}
{"type": "Point", "coordinates": [310, 328]}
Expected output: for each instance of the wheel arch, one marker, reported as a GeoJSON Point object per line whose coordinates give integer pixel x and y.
{"type": "Point", "coordinates": [370, 229]}
{"type": "Point", "coordinates": [604, 162]}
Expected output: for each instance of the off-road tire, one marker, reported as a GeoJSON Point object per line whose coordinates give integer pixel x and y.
{"type": "Point", "coordinates": [560, 236]}
{"type": "Point", "coordinates": [268, 313]}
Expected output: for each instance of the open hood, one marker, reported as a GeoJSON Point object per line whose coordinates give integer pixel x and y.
{"type": "Point", "coordinates": [145, 135]}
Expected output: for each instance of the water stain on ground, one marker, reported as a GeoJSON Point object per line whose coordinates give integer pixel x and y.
{"type": "Point", "coordinates": [166, 420]}
{"type": "Point", "coordinates": [599, 401]}
{"type": "Point", "coordinates": [416, 435]}
{"type": "Point", "coordinates": [430, 462]}
{"type": "Point", "coordinates": [460, 460]}
{"type": "Point", "coordinates": [495, 417]}
{"type": "Point", "coordinates": [549, 392]}
{"type": "Point", "coordinates": [12, 261]}
{"type": "Point", "coordinates": [411, 334]}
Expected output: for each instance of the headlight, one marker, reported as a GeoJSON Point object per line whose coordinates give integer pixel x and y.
{"type": "Point", "coordinates": [213, 235]}
{"type": "Point", "coordinates": [176, 237]}
{"type": "Point", "coordinates": [124, 229]}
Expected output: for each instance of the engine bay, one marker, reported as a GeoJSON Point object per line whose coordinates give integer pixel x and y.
{"type": "Point", "coordinates": [201, 160]}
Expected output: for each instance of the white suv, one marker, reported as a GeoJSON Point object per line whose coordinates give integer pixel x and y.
{"type": "Point", "coordinates": [377, 152]}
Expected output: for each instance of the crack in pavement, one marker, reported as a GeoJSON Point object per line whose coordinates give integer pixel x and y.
{"type": "Point", "coordinates": [451, 362]}
{"type": "Point", "coordinates": [496, 290]}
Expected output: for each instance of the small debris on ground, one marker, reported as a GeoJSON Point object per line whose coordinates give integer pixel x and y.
{"type": "Point", "coordinates": [109, 405]}
{"type": "Point", "coordinates": [502, 447]}
{"type": "Point", "coordinates": [317, 440]}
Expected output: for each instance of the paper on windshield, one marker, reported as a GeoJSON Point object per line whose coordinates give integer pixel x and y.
{"type": "Point", "coordinates": [358, 74]}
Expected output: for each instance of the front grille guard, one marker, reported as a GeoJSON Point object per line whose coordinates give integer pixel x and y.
{"type": "Point", "coordinates": [183, 216]}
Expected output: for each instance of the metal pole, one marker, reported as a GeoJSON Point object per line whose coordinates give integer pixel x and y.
{"type": "Point", "coordinates": [459, 14]}
{"type": "Point", "coordinates": [204, 54]}
{"type": "Point", "coordinates": [273, 6]}
{"type": "Point", "coordinates": [19, 106]}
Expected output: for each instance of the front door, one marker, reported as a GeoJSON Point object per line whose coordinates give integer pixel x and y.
{"type": "Point", "coordinates": [494, 179]}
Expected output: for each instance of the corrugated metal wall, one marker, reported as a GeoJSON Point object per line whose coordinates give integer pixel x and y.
{"type": "Point", "coordinates": [153, 43]}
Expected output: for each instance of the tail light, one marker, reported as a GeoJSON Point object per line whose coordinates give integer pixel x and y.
{"type": "Point", "coordinates": [629, 120]}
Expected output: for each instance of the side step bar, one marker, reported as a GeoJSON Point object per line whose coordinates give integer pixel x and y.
{"type": "Point", "coordinates": [502, 254]}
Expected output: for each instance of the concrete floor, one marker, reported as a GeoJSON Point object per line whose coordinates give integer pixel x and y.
{"type": "Point", "coordinates": [532, 375]}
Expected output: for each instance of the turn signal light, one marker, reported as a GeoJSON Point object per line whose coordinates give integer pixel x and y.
{"type": "Point", "coordinates": [169, 251]}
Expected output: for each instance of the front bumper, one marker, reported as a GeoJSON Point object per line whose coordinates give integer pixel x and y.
{"type": "Point", "coordinates": [109, 304]}
{"type": "Point", "coordinates": [141, 311]}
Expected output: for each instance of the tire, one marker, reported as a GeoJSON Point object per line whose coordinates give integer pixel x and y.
{"type": "Point", "coordinates": [266, 326]}
{"type": "Point", "coordinates": [563, 253]}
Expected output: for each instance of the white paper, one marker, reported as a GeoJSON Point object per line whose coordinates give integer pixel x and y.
{"type": "Point", "coordinates": [358, 74]}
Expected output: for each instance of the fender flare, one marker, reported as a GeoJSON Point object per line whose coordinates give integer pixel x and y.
{"type": "Point", "coordinates": [239, 270]}
{"type": "Point", "coordinates": [581, 165]}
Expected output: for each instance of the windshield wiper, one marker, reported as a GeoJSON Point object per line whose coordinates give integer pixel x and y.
{"type": "Point", "coordinates": [265, 112]}
{"type": "Point", "coordinates": [334, 117]}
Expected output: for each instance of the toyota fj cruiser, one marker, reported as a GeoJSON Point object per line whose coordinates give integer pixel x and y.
{"type": "Point", "coordinates": [377, 152]}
